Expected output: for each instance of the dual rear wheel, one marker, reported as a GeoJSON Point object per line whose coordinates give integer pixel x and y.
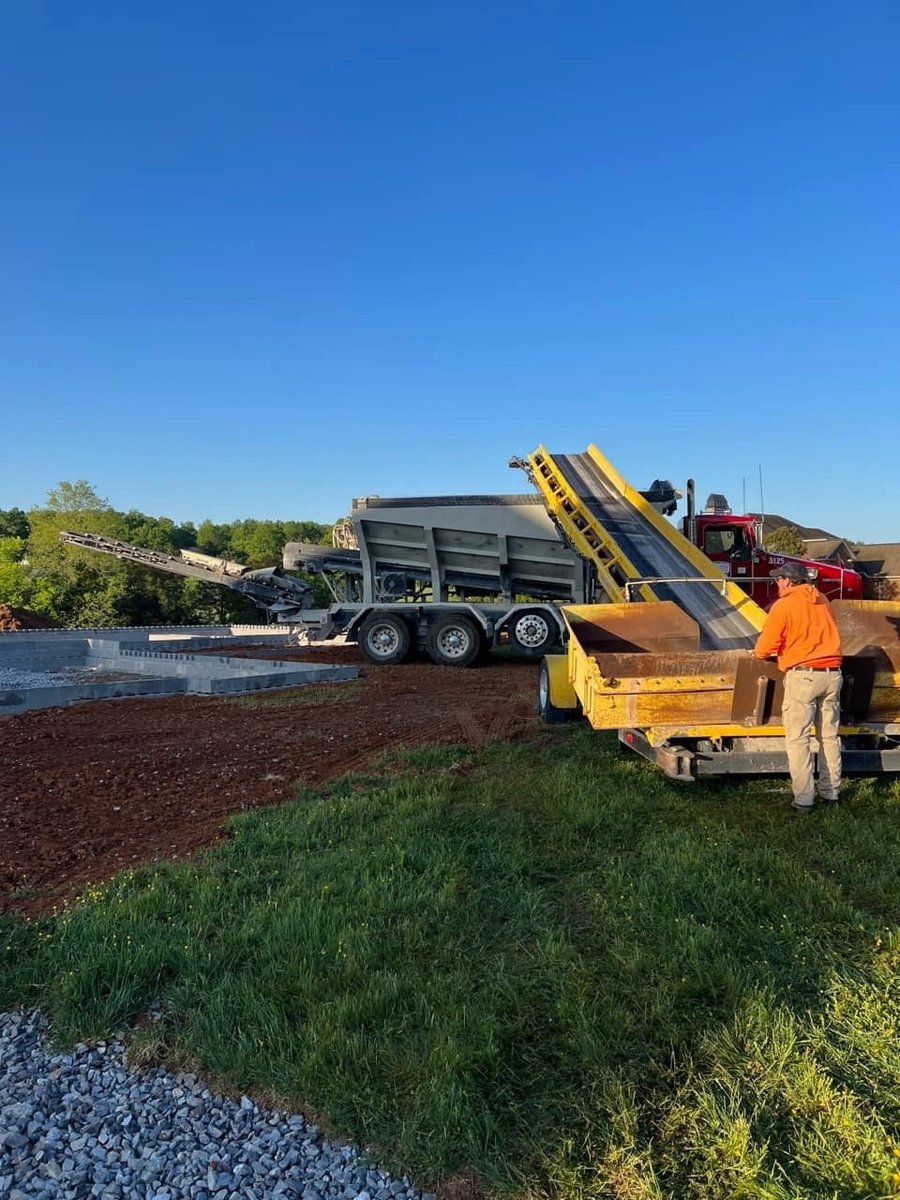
{"type": "Point", "coordinates": [453, 641]}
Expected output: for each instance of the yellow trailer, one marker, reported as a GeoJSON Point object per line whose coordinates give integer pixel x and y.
{"type": "Point", "coordinates": [639, 669]}
{"type": "Point", "coordinates": [667, 662]}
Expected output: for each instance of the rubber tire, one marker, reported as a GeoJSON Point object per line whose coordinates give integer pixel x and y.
{"type": "Point", "coordinates": [532, 649]}
{"type": "Point", "coordinates": [395, 636]}
{"type": "Point", "coordinates": [462, 654]}
{"type": "Point", "coordinates": [547, 711]}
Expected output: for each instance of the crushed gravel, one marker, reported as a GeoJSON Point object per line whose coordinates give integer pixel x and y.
{"type": "Point", "coordinates": [86, 1125]}
{"type": "Point", "coordinates": [11, 679]}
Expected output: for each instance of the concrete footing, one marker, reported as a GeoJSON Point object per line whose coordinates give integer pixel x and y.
{"type": "Point", "coordinates": [155, 665]}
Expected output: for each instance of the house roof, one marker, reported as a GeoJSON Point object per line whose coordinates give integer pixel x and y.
{"type": "Point", "coordinates": [878, 558]}
{"type": "Point", "coordinates": [829, 547]}
{"type": "Point", "coordinates": [772, 521]}
{"type": "Point", "coordinates": [870, 558]}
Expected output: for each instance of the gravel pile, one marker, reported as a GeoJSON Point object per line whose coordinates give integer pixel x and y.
{"type": "Point", "coordinates": [86, 1125]}
{"type": "Point", "coordinates": [10, 677]}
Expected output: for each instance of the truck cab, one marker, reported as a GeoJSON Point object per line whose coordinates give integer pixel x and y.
{"type": "Point", "coordinates": [734, 544]}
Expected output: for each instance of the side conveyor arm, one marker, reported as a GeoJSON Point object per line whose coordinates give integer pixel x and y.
{"type": "Point", "coordinates": [275, 593]}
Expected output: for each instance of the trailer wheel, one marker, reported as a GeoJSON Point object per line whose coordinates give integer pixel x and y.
{"type": "Point", "coordinates": [532, 632]}
{"type": "Point", "coordinates": [454, 641]}
{"type": "Point", "coordinates": [549, 713]}
{"type": "Point", "coordinates": [384, 639]}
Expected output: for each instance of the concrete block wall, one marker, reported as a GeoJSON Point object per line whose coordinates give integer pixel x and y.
{"type": "Point", "coordinates": [19, 700]}
{"type": "Point", "coordinates": [153, 632]}
{"type": "Point", "coordinates": [155, 671]}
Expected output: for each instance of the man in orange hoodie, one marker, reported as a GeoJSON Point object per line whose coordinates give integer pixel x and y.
{"type": "Point", "coordinates": [800, 630]}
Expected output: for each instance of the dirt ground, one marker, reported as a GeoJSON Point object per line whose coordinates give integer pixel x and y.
{"type": "Point", "coordinates": [93, 788]}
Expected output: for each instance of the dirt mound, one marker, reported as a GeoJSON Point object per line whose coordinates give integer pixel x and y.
{"type": "Point", "coordinates": [20, 618]}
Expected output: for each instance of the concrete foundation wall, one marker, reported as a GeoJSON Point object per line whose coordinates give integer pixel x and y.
{"type": "Point", "coordinates": [154, 669]}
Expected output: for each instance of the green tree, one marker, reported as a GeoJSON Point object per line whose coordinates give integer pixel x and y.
{"type": "Point", "coordinates": [307, 531]}
{"type": "Point", "coordinates": [76, 587]}
{"type": "Point", "coordinates": [13, 523]}
{"type": "Point", "coordinates": [12, 549]}
{"type": "Point", "coordinates": [15, 576]}
{"type": "Point", "coordinates": [73, 506]}
{"type": "Point", "coordinates": [258, 543]}
{"type": "Point", "coordinates": [16, 587]}
{"type": "Point", "coordinates": [80, 587]}
{"type": "Point", "coordinates": [214, 539]}
{"type": "Point", "coordinates": [786, 540]}
{"type": "Point", "coordinates": [77, 497]}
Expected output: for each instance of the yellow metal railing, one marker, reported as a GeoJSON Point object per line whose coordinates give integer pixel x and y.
{"type": "Point", "coordinates": [616, 573]}
{"type": "Point", "coordinates": [581, 527]}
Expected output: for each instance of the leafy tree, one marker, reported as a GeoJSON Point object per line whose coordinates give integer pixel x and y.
{"type": "Point", "coordinates": [16, 586]}
{"type": "Point", "coordinates": [308, 531]}
{"type": "Point", "coordinates": [214, 539]}
{"type": "Point", "coordinates": [13, 523]}
{"type": "Point", "coordinates": [154, 533]}
{"type": "Point", "coordinates": [157, 533]}
{"type": "Point", "coordinates": [71, 584]}
{"type": "Point", "coordinates": [184, 535]}
{"type": "Point", "coordinates": [12, 549]}
{"type": "Point", "coordinates": [77, 497]}
{"type": "Point", "coordinates": [15, 577]}
{"type": "Point", "coordinates": [80, 587]}
{"type": "Point", "coordinates": [786, 540]}
{"type": "Point", "coordinates": [258, 543]}
{"type": "Point", "coordinates": [74, 506]}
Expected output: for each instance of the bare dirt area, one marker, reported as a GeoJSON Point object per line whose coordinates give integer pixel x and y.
{"type": "Point", "coordinates": [93, 788]}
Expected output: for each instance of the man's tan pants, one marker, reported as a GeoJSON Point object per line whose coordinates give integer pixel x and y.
{"type": "Point", "coordinates": [812, 698]}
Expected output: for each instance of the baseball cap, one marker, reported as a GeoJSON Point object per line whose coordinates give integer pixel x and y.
{"type": "Point", "coordinates": [793, 571]}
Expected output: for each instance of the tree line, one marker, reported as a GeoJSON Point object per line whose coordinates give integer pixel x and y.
{"type": "Point", "coordinates": [79, 587]}
{"type": "Point", "coordinates": [82, 588]}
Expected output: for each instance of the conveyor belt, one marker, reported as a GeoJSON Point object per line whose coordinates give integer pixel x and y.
{"type": "Point", "coordinates": [654, 556]}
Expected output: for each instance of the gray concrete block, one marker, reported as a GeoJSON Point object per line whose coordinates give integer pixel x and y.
{"type": "Point", "coordinates": [152, 665]}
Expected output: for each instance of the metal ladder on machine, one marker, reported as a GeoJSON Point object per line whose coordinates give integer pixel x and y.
{"type": "Point", "coordinates": [581, 528]}
{"type": "Point", "coordinates": [636, 553]}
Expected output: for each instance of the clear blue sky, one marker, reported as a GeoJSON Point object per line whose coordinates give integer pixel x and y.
{"type": "Point", "coordinates": [258, 259]}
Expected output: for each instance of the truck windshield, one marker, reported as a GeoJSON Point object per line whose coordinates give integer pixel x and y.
{"type": "Point", "coordinates": [725, 540]}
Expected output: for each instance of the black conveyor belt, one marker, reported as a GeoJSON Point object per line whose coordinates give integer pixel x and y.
{"type": "Point", "coordinates": [721, 626]}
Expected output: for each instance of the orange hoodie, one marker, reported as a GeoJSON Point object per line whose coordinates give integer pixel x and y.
{"type": "Point", "coordinates": [800, 629]}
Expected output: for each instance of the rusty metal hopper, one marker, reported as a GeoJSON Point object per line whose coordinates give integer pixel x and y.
{"type": "Point", "coordinates": [626, 628]}
{"type": "Point", "coordinates": [870, 636]}
{"type": "Point", "coordinates": [640, 666]}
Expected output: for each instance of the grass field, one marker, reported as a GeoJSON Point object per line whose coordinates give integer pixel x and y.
{"type": "Point", "coordinates": [542, 962]}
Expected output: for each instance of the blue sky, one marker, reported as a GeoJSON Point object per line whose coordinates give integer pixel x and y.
{"type": "Point", "coordinates": [260, 259]}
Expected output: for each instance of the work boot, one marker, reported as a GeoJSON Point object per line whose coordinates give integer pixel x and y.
{"type": "Point", "coordinates": [803, 809]}
{"type": "Point", "coordinates": [829, 801]}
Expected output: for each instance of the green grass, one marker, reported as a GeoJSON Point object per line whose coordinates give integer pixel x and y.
{"type": "Point", "coordinates": [542, 961]}
{"type": "Point", "coordinates": [297, 697]}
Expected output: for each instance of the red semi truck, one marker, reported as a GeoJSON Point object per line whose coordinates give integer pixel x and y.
{"type": "Point", "coordinates": [734, 544]}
